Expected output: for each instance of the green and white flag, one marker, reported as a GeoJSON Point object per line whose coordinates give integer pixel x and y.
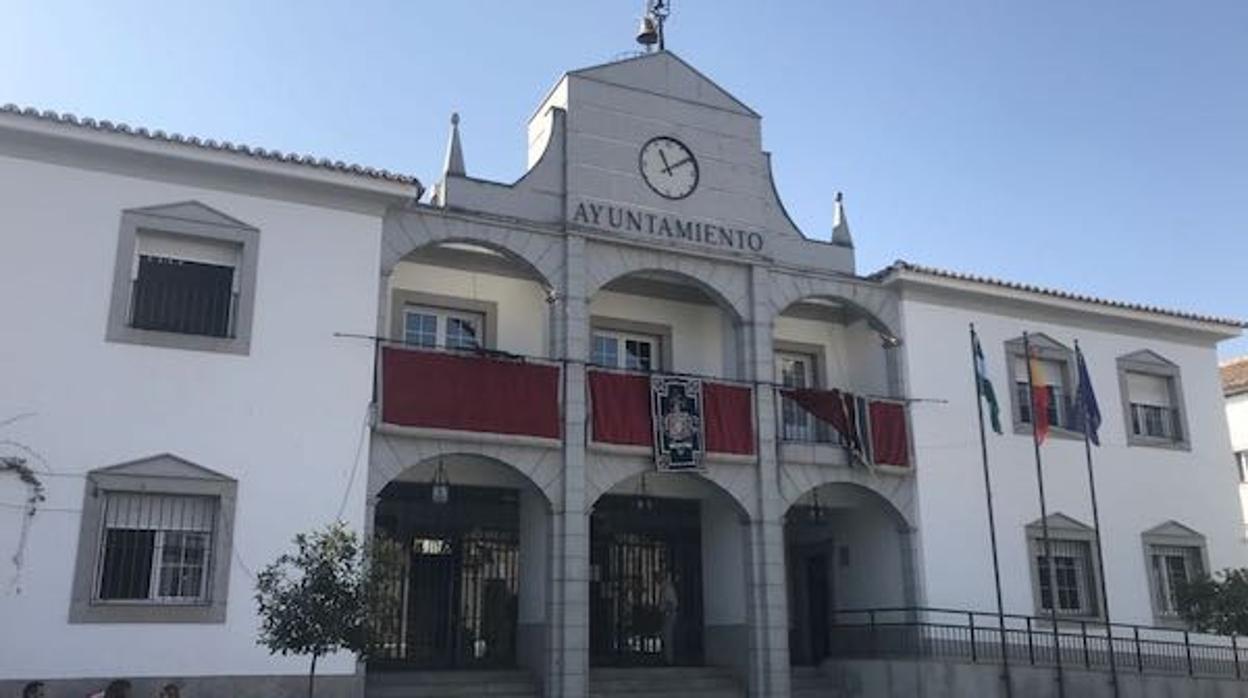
{"type": "Point", "coordinates": [985, 386]}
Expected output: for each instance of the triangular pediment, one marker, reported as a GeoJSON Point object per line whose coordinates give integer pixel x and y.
{"type": "Point", "coordinates": [1146, 356]}
{"type": "Point", "coordinates": [164, 465]}
{"type": "Point", "coordinates": [1061, 523]}
{"type": "Point", "coordinates": [193, 211]}
{"type": "Point", "coordinates": [1172, 529]}
{"type": "Point", "coordinates": [664, 72]}
{"type": "Point", "coordinates": [1038, 340]}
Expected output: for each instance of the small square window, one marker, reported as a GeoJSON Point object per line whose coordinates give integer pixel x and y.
{"type": "Point", "coordinates": [1054, 382]}
{"type": "Point", "coordinates": [1068, 586]}
{"type": "Point", "coordinates": [1172, 566]}
{"type": "Point", "coordinates": [184, 278]}
{"type": "Point", "coordinates": [154, 548]}
{"type": "Point", "coordinates": [1152, 401]}
{"type": "Point", "coordinates": [154, 544]}
{"type": "Point", "coordinates": [1174, 555]}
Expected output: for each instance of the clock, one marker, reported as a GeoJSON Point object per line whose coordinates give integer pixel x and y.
{"type": "Point", "coordinates": [668, 167]}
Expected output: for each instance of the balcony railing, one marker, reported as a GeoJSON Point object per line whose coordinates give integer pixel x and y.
{"type": "Point", "coordinates": [469, 391]}
{"type": "Point", "coordinates": [875, 430]}
{"type": "Point", "coordinates": [970, 636]}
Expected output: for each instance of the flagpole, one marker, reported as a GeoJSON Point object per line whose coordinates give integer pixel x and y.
{"type": "Point", "coordinates": [1096, 524]}
{"type": "Point", "coordinates": [1044, 520]}
{"type": "Point", "coordinates": [992, 519]}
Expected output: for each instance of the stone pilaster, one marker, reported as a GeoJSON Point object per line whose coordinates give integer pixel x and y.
{"type": "Point", "coordinates": [769, 625]}
{"type": "Point", "coordinates": [569, 672]}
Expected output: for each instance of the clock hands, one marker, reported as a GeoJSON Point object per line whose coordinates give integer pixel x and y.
{"type": "Point", "coordinates": [678, 163]}
{"type": "Point", "coordinates": [666, 167]}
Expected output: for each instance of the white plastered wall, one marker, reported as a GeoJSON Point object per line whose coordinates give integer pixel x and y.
{"type": "Point", "coordinates": [1138, 487]}
{"type": "Point", "coordinates": [285, 420]}
{"type": "Point", "coordinates": [1237, 420]}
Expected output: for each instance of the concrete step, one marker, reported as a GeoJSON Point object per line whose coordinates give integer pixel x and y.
{"type": "Point", "coordinates": [809, 682]}
{"type": "Point", "coordinates": [663, 682]}
{"type": "Point", "coordinates": [450, 684]}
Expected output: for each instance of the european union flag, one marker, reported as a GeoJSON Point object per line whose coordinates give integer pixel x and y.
{"type": "Point", "coordinates": [1087, 413]}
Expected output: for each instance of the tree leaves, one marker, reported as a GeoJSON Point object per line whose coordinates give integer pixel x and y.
{"type": "Point", "coordinates": [1216, 604]}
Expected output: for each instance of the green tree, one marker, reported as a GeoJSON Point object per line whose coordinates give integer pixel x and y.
{"type": "Point", "coordinates": [1217, 604]}
{"type": "Point", "coordinates": [321, 598]}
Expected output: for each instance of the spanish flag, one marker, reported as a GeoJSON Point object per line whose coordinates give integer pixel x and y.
{"type": "Point", "coordinates": [1039, 398]}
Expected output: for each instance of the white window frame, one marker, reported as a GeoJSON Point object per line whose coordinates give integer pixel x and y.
{"type": "Point", "coordinates": [622, 339]}
{"type": "Point", "coordinates": [443, 317]}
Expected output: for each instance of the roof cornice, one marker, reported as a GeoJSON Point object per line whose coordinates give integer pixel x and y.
{"type": "Point", "coordinates": [321, 171]}
{"type": "Point", "coordinates": [903, 271]}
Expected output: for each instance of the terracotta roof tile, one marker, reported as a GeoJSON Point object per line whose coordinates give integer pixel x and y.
{"type": "Point", "coordinates": [210, 144]}
{"type": "Point", "coordinates": [1234, 375]}
{"type": "Point", "coordinates": [902, 265]}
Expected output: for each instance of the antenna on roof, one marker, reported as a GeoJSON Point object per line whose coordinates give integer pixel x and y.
{"type": "Point", "coordinates": [651, 30]}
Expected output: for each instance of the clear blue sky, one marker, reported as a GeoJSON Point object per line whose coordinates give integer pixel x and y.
{"type": "Point", "coordinates": [1099, 147]}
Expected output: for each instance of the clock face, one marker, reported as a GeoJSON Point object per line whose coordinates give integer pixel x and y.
{"type": "Point", "coordinates": [669, 168]}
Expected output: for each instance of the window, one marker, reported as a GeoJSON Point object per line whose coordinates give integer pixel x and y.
{"type": "Point", "coordinates": [154, 544]}
{"type": "Point", "coordinates": [1152, 400]}
{"type": "Point", "coordinates": [1172, 567]}
{"type": "Point", "coordinates": [184, 278]}
{"type": "Point", "coordinates": [1241, 465]}
{"type": "Point", "coordinates": [440, 327]}
{"type": "Point", "coordinates": [633, 352]}
{"type": "Point", "coordinates": [155, 548]}
{"type": "Point", "coordinates": [795, 371]}
{"type": "Point", "coordinates": [1055, 373]}
{"type": "Point", "coordinates": [1174, 555]}
{"type": "Point", "coordinates": [1071, 574]}
{"type": "Point", "coordinates": [1070, 585]}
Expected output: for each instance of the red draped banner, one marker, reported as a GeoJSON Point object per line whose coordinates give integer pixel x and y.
{"type": "Point", "coordinates": [889, 441]}
{"type": "Point", "coordinates": [469, 393]}
{"type": "Point", "coordinates": [621, 412]}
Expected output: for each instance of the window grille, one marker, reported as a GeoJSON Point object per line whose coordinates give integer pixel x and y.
{"type": "Point", "coordinates": [176, 295]}
{"type": "Point", "coordinates": [1072, 574]}
{"type": "Point", "coordinates": [156, 548]}
{"type": "Point", "coordinates": [1172, 566]}
{"type": "Point", "coordinates": [1155, 421]}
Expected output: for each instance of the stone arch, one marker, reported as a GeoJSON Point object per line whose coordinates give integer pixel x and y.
{"type": "Point", "coordinates": [895, 492]}
{"type": "Point", "coordinates": [732, 483]}
{"type": "Point", "coordinates": [878, 306]}
{"type": "Point", "coordinates": [535, 467]}
{"type": "Point", "coordinates": [725, 283]}
{"type": "Point", "coordinates": [404, 232]}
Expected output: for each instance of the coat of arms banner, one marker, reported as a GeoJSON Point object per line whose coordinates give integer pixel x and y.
{"type": "Point", "coordinates": [676, 412]}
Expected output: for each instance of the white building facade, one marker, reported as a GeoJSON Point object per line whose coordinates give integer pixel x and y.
{"type": "Point", "coordinates": [258, 345]}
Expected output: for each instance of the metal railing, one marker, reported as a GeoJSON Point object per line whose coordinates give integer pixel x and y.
{"type": "Point", "coordinates": [936, 633]}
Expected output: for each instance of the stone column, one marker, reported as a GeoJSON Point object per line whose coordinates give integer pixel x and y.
{"type": "Point", "coordinates": [568, 676]}
{"type": "Point", "coordinates": [769, 621]}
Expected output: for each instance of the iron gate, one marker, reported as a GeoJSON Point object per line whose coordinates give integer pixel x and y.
{"type": "Point", "coordinates": [455, 587]}
{"type": "Point", "coordinates": [636, 542]}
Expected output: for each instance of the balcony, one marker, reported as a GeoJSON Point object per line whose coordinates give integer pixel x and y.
{"type": "Point", "coordinates": [620, 415]}
{"type": "Point", "coordinates": [832, 427]}
{"type": "Point", "coordinates": [451, 393]}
